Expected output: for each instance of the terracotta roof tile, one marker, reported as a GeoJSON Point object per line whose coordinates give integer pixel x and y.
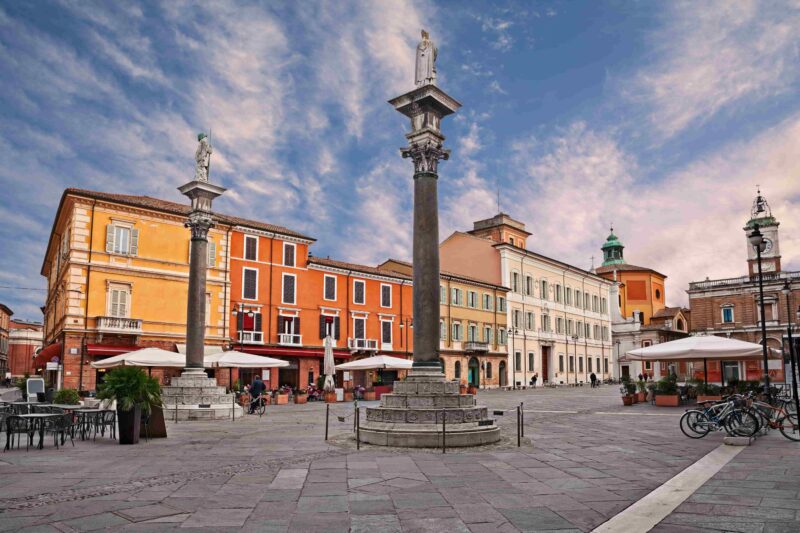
{"type": "Point", "coordinates": [356, 267]}
{"type": "Point", "coordinates": [625, 267]}
{"type": "Point", "coordinates": [452, 275]}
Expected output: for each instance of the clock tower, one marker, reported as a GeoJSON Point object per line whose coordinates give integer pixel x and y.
{"type": "Point", "coordinates": [761, 215]}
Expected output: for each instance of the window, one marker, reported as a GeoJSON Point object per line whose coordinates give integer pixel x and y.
{"type": "Point", "coordinates": [727, 314]}
{"type": "Point", "coordinates": [559, 325]}
{"type": "Point", "coordinates": [511, 240]}
{"type": "Point", "coordinates": [647, 365]}
{"type": "Point", "coordinates": [328, 326]}
{"type": "Point", "coordinates": [122, 239]}
{"type": "Point", "coordinates": [119, 300]}
{"type": "Point", "coordinates": [487, 334]}
{"type": "Point", "coordinates": [288, 290]}
{"type": "Point", "coordinates": [517, 361]}
{"type": "Point", "coordinates": [456, 331]}
{"type": "Point", "coordinates": [529, 285]}
{"type": "Point", "coordinates": [457, 370]}
{"type": "Point", "coordinates": [569, 327]}
{"type": "Point", "coordinates": [596, 331]}
{"type": "Point", "coordinates": [386, 295]}
{"type": "Point", "coordinates": [248, 326]}
{"type": "Point", "coordinates": [442, 331]}
{"type": "Point", "coordinates": [580, 364]}
{"type": "Point", "coordinates": [288, 254]}
{"type": "Point", "coordinates": [472, 333]}
{"type": "Point", "coordinates": [588, 333]}
{"type": "Point", "coordinates": [586, 301]}
{"type": "Point", "coordinates": [359, 327]}
{"type": "Point", "coordinates": [546, 323]}
{"type": "Point", "coordinates": [515, 282]}
{"type": "Point", "coordinates": [603, 305]}
{"type": "Point", "coordinates": [251, 247]}
{"type": "Point", "coordinates": [501, 304]}
{"type": "Point", "coordinates": [488, 370]}
{"type": "Point", "coordinates": [250, 284]}
{"type": "Point", "coordinates": [359, 288]}
{"type": "Point", "coordinates": [502, 337]}
{"type": "Point", "coordinates": [595, 304]}
{"type": "Point", "coordinates": [212, 253]}
{"type": "Point", "coordinates": [579, 329]}
{"type": "Point", "coordinates": [658, 294]}
{"type": "Point", "coordinates": [577, 298]}
{"type": "Point", "coordinates": [530, 322]}
{"type": "Point", "coordinates": [457, 296]}
{"type": "Point", "coordinates": [516, 316]}
{"type": "Point", "coordinates": [558, 293]}
{"type": "Point", "coordinates": [605, 335]}
{"type": "Point", "coordinates": [598, 364]}
{"type": "Point", "coordinates": [487, 302]}
{"type": "Point", "coordinates": [543, 290]}
{"type": "Point", "coordinates": [386, 333]}
{"type": "Point", "coordinates": [329, 292]}
{"type": "Point", "coordinates": [680, 325]}
{"type": "Point", "coordinates": [442, 294]}
{"type": "Point", "coordinates": [571, 364]}
{"type": "Point", "coordinates": [589, 364]}
{"type": "Point", "coordinates": [605, 365]}
{"type": "Point", "coordinates": [472, 299]}
{"type": "Point", "coordinates": [568, 296]}
{"type": "Point", "coordinates": [530, 360]}
{"type": "Point", "coordinates": [561, 363]}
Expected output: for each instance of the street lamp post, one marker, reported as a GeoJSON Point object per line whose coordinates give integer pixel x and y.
{"type": "Point", "coordinates": [513, 331]}
{"type": "Point", "coordinates": [756, 239]}
{"type": "Point", "coordinates": [787, 291]}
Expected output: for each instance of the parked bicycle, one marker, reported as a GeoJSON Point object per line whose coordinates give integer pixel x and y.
{"type": "Point", "coordinates": [777, 416]}
{"type": "Point", "coordinates": [730, 415]}
{"type": "Point", "coordinates": [252, 405]}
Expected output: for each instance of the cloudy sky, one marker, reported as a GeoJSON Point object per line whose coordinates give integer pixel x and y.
{"type": "Point", "coordinates": [659, 117]}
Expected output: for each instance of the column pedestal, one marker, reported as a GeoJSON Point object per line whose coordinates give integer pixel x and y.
{"type": "Point", "coordinates": [198, 397]}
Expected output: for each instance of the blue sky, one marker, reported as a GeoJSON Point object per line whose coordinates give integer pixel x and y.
{"type": "Point", "coordinates": [661, 117]}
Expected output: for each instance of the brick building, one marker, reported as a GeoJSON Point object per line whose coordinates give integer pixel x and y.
{"type": "Point", "coordinates": [24, 339]}
{"type": "Point", "coordinates": [5, 319]}
{"type": "Point", "coordinates": [731, 307]}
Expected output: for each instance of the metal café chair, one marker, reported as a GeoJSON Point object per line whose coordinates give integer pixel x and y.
{"type": "Point", "coordinates": [16, 425]}
{"type": "Point", "coordinates": [62, 426]}
{"type": "Point", "coordinates": [103, 420]}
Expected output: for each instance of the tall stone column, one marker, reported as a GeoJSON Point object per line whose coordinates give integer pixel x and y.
{"type": "Point", "coordinates": [414, 414]}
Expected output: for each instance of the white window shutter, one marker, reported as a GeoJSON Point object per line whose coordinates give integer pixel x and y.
{"type": "Point", "coordinates": [212, 253]}
{"type": "Point", "coordinates": [123, 303]}
{"type": "Point", "coordinates": [110, 238]}
{"type": "Point", "coordinates": [114, 302]}
{"type": "Point", "coordinates": [134, 241]}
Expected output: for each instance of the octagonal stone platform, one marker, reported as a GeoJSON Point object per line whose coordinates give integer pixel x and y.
{"type": "Point", "coordinates": [197, 397]}
{"type": "Point", "coordinates": [412, 416]}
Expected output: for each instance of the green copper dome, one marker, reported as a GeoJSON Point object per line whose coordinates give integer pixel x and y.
{"type": "Point", "coordinates": [612, 250]}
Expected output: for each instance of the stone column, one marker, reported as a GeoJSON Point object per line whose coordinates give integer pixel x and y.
{"type": "Point", "coordinates": [199, 223]}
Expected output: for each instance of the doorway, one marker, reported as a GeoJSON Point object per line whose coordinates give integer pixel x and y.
{"type": "Point", "coordinates": [473, 372]}
{"type": "Point", "coordinates": [626, 371]}
{"type": "Point", "coordinates": [545, 364]}
{"type": "Point", "coordinates": [502, 374]}
{"type": "Point", "coordinates": [730, 371]}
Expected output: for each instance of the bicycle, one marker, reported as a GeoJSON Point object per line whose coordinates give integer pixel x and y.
{"type": "Point", "coordinates": [772, 417]}
{"type": "Point", "coordinates": [697, 423]}
{"type": "Point", "coordinates": [260, 407]}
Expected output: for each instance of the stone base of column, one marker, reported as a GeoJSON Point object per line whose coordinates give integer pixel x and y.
{"type": "Point", "coordinates": [412, 415]}
{"type": "Point", "coordinates": [197, 397]}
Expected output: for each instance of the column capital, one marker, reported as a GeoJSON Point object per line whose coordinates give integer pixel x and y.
{"type": "Point", "coordinates": [426, 156]}
{"type": "Point", "coordinates": [199, 222]}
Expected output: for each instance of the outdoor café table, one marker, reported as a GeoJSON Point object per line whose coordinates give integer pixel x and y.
{"type": "Point", "coordinates": [25, 404]}
{"type": "Point", "coordinates": [39, 420]}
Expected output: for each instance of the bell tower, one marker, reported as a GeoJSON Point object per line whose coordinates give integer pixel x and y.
{"type": "Point", "coordinates": [761, 216]}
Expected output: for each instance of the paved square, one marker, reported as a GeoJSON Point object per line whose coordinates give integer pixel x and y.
{"type": "Point", "coordinates": [590, 458]}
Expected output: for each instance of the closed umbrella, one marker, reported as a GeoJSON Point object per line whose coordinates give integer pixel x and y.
{"type": "Point", "coordinates": [329, 365]}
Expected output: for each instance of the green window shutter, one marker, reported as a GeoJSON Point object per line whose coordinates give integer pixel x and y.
{"type": "Point", "coordinates": [134, 241]}
{"type": "Point", "coordinates": [110, 238]}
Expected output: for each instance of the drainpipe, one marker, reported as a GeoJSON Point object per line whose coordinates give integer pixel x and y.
{"type": "Point", "coordinates": [269, 297]}
{"type": "Point", "coordinates": [86, 312]}
{"type": "Point", "coordinates": [226, 311]}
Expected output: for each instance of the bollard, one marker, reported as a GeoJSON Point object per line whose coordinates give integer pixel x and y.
{"type": "Point", "coordinates": [522, 418]}
{"type": "Point", "coordinates": [233, 407]}
{"type": "Point", "coordinates": [176, 410]}
{"type": "Point", "coordinates": [355, 410]}
{"type": "Point", "coordinates": [519, 434]}
{"type": "Point", "coordinates": [327, 417]}
{"type": "Point", "coordinates": [358, 429]}
{"type": "Point", "coordinates": [444, 431]}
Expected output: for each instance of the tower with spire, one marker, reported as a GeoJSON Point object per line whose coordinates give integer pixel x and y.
{"type": "Point", "coordinates": [761, 216]}
{"type": "Point", "coordinates": [612, 250]}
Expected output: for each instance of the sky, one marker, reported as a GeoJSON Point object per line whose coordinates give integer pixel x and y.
{"type": "Point", "coordinates": [660, 118]}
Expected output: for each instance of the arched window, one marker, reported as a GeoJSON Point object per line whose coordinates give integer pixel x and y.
{"type": "Point", "coordinates": [680, 325]}
{"type": "Point", "coordinates": [458, 369]}
{"type": "Point", "coordinates": [658, 294]}
{"type": "Point", "coordinates": [488, 370]}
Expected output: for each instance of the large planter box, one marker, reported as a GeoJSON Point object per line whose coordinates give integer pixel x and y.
{"type": "Point", "coordinates": [156, 429]}
{"type": "Point", "coordinates": [130, 423]}
{"type": "Point", "coordinates": [641, 397]}
{"type": "Point", "coordinates": [301, 398]}
{"type": "Point", "coordinates": [369, 395]}
{"type": "Point", "coordinates": [667, 400]}
{"type": "Point", "coordinates": [330, 397]}
{"type": "Point", "coordinates": [382, 389]}
{"type": "Point", "coordinates": [348, 396]}
{"type": "Point", "coordinates": [282, 399]}
{"type": "Point", "coordinates": [627, 400]}
{"type": "Point", "coordinates": [635, 399]}
{"type": "Point", "coordinates": [701, 398]}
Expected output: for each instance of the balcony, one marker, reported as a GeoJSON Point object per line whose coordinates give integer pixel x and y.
{"type": "Point", "coordinates": [113, 324]}
{"type": "Point", "coordinates": [476, 347]}
{"type": "Point", "coordinates": [362, 344]}
{"type": "Point", "coordinates": [251, 337]}
{"type": "Point", "coordinates": [290, 339]}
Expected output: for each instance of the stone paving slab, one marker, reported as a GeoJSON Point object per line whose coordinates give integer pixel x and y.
{"type": "Point", "coordinates": [582, 469]}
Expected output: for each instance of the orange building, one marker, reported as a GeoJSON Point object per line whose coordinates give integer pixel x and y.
{"type": "Point", "coordinates": [641, 290]}
{"type": "Point", "coordinates": [285, 302]}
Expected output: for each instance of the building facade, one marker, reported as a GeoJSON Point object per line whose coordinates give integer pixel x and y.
{"type": "Point", "coordinates": [24, 340]}
{"type": "Point", "coordinates": [5, 321]}
{"type": "Point", "coordinates": [732, 307]}
{"type": "Point", "coordinates": [472, 327]}
{"type": "Point", "coordinates": [558, 317]}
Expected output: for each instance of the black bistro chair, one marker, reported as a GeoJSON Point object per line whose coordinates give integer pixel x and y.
{"type": "Point", "coordinates": [61, 427]}
{"type": "Point", "coordinates": [103, 420]}
{"type": "Point", "coordinates": [16, 425]}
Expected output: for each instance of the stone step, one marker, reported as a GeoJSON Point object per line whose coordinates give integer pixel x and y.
{"type": "Point", "coordinates": [429, 401]}
{"type": "Point", "coordinates": [426, 387]}
{"type": "Point", "coordinates": [426, 416]}
{"type": "Point", "coordinates": [193, 382]}
{"type": "Point", "coordinates": [428, 435]}
{"type": "Point", "coordinates": [187, 390]}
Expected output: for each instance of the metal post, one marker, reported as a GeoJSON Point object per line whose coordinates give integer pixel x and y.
{"type": "Point", "coordinates": [233, 407]}
{"type": "Point", "coordinates": [176, 409]}
{"type": "Point", "coordinates": [355, 415]}
{"type": "Point", "coordinates": [792, 353]}
{"type": "Point", "coordinates": [519, 435]}
{"type": "Point", "coordinates": [705, 370]}
{"type": "Point", "coordinates": [327, 417]}
{"type": "Point", "coordinates": [358, 428]}
{"type": "Point", "coordinates": [444, 431]}
{"type": "Point", "coordinates": [763, 325]}
{"type": "Point", "coordinates": [522, 418]}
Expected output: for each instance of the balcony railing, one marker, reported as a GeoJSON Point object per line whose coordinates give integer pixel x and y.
{"type": "Point", "coordinates": [290, 339]}
{"type": "Point", "coordinates": [767, 277]}
{"type": "Point", "coordinates": [251, 337]}
{"type": "Point", "coordinates": [476, 346]}
{"type": "Point", "coordinates": [113, 324]}
{"type": "Point", "coordinates": [362, 344]}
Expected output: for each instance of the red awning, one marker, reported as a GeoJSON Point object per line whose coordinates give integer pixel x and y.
{"type": "Point", "coordinates": [49, 354]}
{"type": "Point", "coordinates": [110, 349]}
{"type": "Point", "coordinates": [280, 351]}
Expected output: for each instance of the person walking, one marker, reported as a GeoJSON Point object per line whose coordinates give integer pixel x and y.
{"type": "Point", "coordinates": [593, 379]}
{"type": "Point", "coordinates": [256, 390]}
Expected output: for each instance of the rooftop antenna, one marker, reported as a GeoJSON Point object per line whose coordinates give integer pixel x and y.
{"type": "Point", "coordinates": [592, 263]}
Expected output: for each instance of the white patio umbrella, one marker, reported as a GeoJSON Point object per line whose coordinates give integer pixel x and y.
{"type": "Point", "coordinates": [378, 361]}
{"type": "Point", "coordinates": [233, 359]}
{"type": "Point", "coordinates": [149, 357]}
{"type": "Point", "coordinates": [329, 366]}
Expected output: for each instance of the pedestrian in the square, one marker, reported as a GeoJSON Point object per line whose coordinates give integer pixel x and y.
{"type": "Point", "coordinates": [593, 379]}
{"type": "Point", "coordinates": [534, 379]}
{"type": "Point", "coordinates": [256, 390]}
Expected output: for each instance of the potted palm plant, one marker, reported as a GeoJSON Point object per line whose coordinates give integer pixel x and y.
{"type": "Point", "coordinates": [667, 392]}
{"type": "Point", "coordinates": [626, 390]}
{"type": "Point", "coordinates": [135, 393]}
{"type": "Point", "coordinates": [641, 394]}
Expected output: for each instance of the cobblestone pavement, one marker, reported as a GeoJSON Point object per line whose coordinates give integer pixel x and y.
{"type": "Point", "coordinates": [585, 458]}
